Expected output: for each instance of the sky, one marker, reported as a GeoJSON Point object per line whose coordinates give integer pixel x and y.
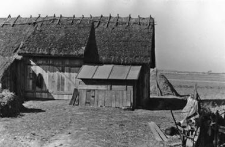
{"type": "Point", "coordinates": [190, 34]}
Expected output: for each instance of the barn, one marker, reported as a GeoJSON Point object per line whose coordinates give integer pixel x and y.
{"type": "Point", "coordinates": [116, 70]}
{"type": "Point", "coordinates": [43, 54]}
{"type": "Point", "coordinates": [108, 59]}
{"type": "Point", "coordinates": [11, 69]}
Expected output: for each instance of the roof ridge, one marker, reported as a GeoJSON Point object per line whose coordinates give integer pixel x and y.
{"type": "Point", "coordinates": [106, 19]}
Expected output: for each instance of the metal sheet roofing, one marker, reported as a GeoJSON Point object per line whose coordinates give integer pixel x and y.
{"type": "Point", "coordinates": [116, 72]}
{"type": "Point", "coordinates": [87, 72]}
{"type": "Point", "coordinates": [103, 72]}
{"type": "Point", "coordinates": [119, 72]}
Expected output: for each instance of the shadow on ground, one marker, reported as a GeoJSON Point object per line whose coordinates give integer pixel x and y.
{"type": "Point", "coordinates": [31, 110]}
{"type": "Point", "coordinates": [163, 104]}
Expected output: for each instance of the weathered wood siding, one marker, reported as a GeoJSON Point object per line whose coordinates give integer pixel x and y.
{"type": "Point", "coordinates": [107, 93]}
{"type": "Point", "coordinates": [59, 77]}
{"type": "Point", "coordinates": [143, 85]}
{"type": "Point", "coordinates": [13, 78]}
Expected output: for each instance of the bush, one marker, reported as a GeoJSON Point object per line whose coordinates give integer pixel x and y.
{"type": "Point", "coordinates": [10, 104]}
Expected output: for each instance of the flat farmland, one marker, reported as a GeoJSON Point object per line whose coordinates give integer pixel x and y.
{"type": "Point", "coordinates": [209, 86]}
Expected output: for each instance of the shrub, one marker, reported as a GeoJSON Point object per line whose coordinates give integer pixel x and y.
{"type": "Point", "coordinates": [10, 104]}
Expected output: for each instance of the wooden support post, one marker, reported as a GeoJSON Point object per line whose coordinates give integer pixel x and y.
{"type": "Point", "coordinates": [15, 21]}
{"type": "Point", "coordinates": [73, 19]}
{"type": "Point", "coordinates": [107, 24]}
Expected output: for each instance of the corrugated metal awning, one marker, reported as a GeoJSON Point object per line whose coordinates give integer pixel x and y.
{"type": "Point", "coordinates": [116, 72]}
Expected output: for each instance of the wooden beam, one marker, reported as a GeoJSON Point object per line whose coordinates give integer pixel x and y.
{"type": "Point", "coordinates": [35, 21]}
{"type": "Point", "coordinates": [15, 21]}
{"type": "Point", "coordinates": [6, 20]}
{"type": "Point", "coordinates": [81, 19]}
{"type": "Point", "coordinates": [59, 19]}
{"type": "Point", "coordinates": [43, 20]}
{"type": "Point", "coordinates": [117, 20]}
{"type": "Point", "coordinates": [99, 21]}
{"type": "Point", "coordinates": [93, 87]}
{"type": "Point", "coordinates": [108, 21]}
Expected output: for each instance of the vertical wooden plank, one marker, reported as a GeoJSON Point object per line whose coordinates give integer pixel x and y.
{"type": "Point", "coordinates": [101, 98]}
{"type": "Point", "coordinates": [73, 76]}
{"type": "Point", "coordinates": [82, 97]}
{"type": "Point", "coordinates": [62, 82]}
{"type": "Point", "coordinates": [58, 80]}
{"type": "Point", "coordinates": [88, 98]}
{"type": "Point", "coordinates": [117, 98]}
{"type": "Point", "coordinates": [121, 98]}
{"type": "Point", "coordinates": [108, 101]}
{"type": "Point", "coordinates": [128, 98]}
{"type": "Point", "coordinates": [96, 98]}
{"type": "Point", "coordinates": [54, 81]}
{"type": "Point", "coordinates": [43, 88]}
{"type": "Point", "coordinates": [49, 82]}
{"type": "Point", "coordinates": [113, 98]}
{"type": "Point", "coordinates": [92, 98]}
{"type": "Point", "coordinates": [124, 98]}
{"type": "Point", "coordinates": [131, 98]}
{"type": "Point", "coordinates": [66, 86]}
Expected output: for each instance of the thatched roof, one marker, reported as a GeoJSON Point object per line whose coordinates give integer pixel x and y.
{"type": "Point", "coordinates": [123, 40]}
{"type": "Point", "coordinates": [4, 64]}
{"type": "Point", "coordinates": [58, 36]}
{"type": "Point", "coordinates": [11, 35]}
{"type": "Point", "coordinates": [109, 40]}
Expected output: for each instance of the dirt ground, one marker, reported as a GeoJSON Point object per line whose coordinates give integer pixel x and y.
{"type": "Point", "coordinates": [57, 124]}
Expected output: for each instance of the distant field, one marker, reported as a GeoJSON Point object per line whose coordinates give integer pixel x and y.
{"type": "Point", "coordinates": [210, 86]}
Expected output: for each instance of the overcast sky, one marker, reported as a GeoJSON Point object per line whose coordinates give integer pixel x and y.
{"type": "Point", "coordinates": [190, 34]}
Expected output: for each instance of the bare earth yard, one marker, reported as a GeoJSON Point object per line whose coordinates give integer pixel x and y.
{"type": "Point", "coordinates": [55, 123]}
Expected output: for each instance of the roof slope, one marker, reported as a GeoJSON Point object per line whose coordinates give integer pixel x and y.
{"type": "Point", "coordinates": [109, 40]}
{"type": "Point", "coordinates": [124, 40]}
{"type": "Point", "coordinates": [59, 37]}
{"type": "Point", "coordinates": [4, 64]}
{"type": "Point", "coordinates": [11, 35]}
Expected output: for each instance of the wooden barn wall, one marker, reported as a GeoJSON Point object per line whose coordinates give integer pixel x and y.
{"type": "Point", "coordinates": [58, 74]}
{"type": "Point", "coordinates": [143, 84]}
{"type": "Point", "coordinates": [102, 93]}
{"type": "Point", "coordinates": [13, 78]}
